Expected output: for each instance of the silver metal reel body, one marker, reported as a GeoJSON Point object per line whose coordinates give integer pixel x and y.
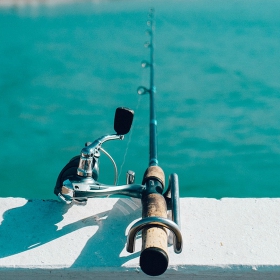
{"type": "Point", "coordinates": [82, 187]}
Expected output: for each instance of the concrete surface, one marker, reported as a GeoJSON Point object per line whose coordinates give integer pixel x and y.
{"type": "Point", "coordinates": [223, 239]}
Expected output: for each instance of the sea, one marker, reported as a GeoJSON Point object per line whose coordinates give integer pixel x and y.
{"type": "Point", "coordinates": [66, 66]}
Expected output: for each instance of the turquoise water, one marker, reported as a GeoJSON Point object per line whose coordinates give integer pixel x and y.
{"type": "Point", "coordinates": [65, 68]}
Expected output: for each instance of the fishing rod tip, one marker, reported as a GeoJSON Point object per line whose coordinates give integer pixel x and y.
{"type": "Point", "coordinates": [151, 12]}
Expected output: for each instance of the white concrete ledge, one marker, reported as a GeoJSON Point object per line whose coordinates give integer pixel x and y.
{"type": "Point", "coordinates": [223, 239]}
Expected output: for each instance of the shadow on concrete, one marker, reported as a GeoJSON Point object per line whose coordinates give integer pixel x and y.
{"type": "Point", "coordinates": [34, 224]}
{"type": "Point", "coordinates": [104, 248]}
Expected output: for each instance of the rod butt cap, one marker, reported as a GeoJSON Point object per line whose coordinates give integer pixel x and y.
{"type": "Point", "coordinates": [153, 261]}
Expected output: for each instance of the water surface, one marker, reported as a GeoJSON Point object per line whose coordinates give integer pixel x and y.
{"type": "Point", "coordinates": [65, 68]}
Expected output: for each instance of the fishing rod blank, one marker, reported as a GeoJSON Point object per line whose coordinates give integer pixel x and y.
{"type": "Point", "coordinates": [154, 258]}
{"type": "Point", "coordinates": [152, 90]}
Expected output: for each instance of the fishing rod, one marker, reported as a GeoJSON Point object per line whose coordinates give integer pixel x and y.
{"type": "Point", "coordinates": [154, 255]}
{"type": "Point", "coordinates": [78, 181]}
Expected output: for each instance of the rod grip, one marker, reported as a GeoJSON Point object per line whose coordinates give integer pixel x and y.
{"type": "Point", "coordinates": [154, 258]}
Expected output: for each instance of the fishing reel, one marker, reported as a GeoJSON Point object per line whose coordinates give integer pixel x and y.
{"type": "Point", "coordinates": [78, 181]}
